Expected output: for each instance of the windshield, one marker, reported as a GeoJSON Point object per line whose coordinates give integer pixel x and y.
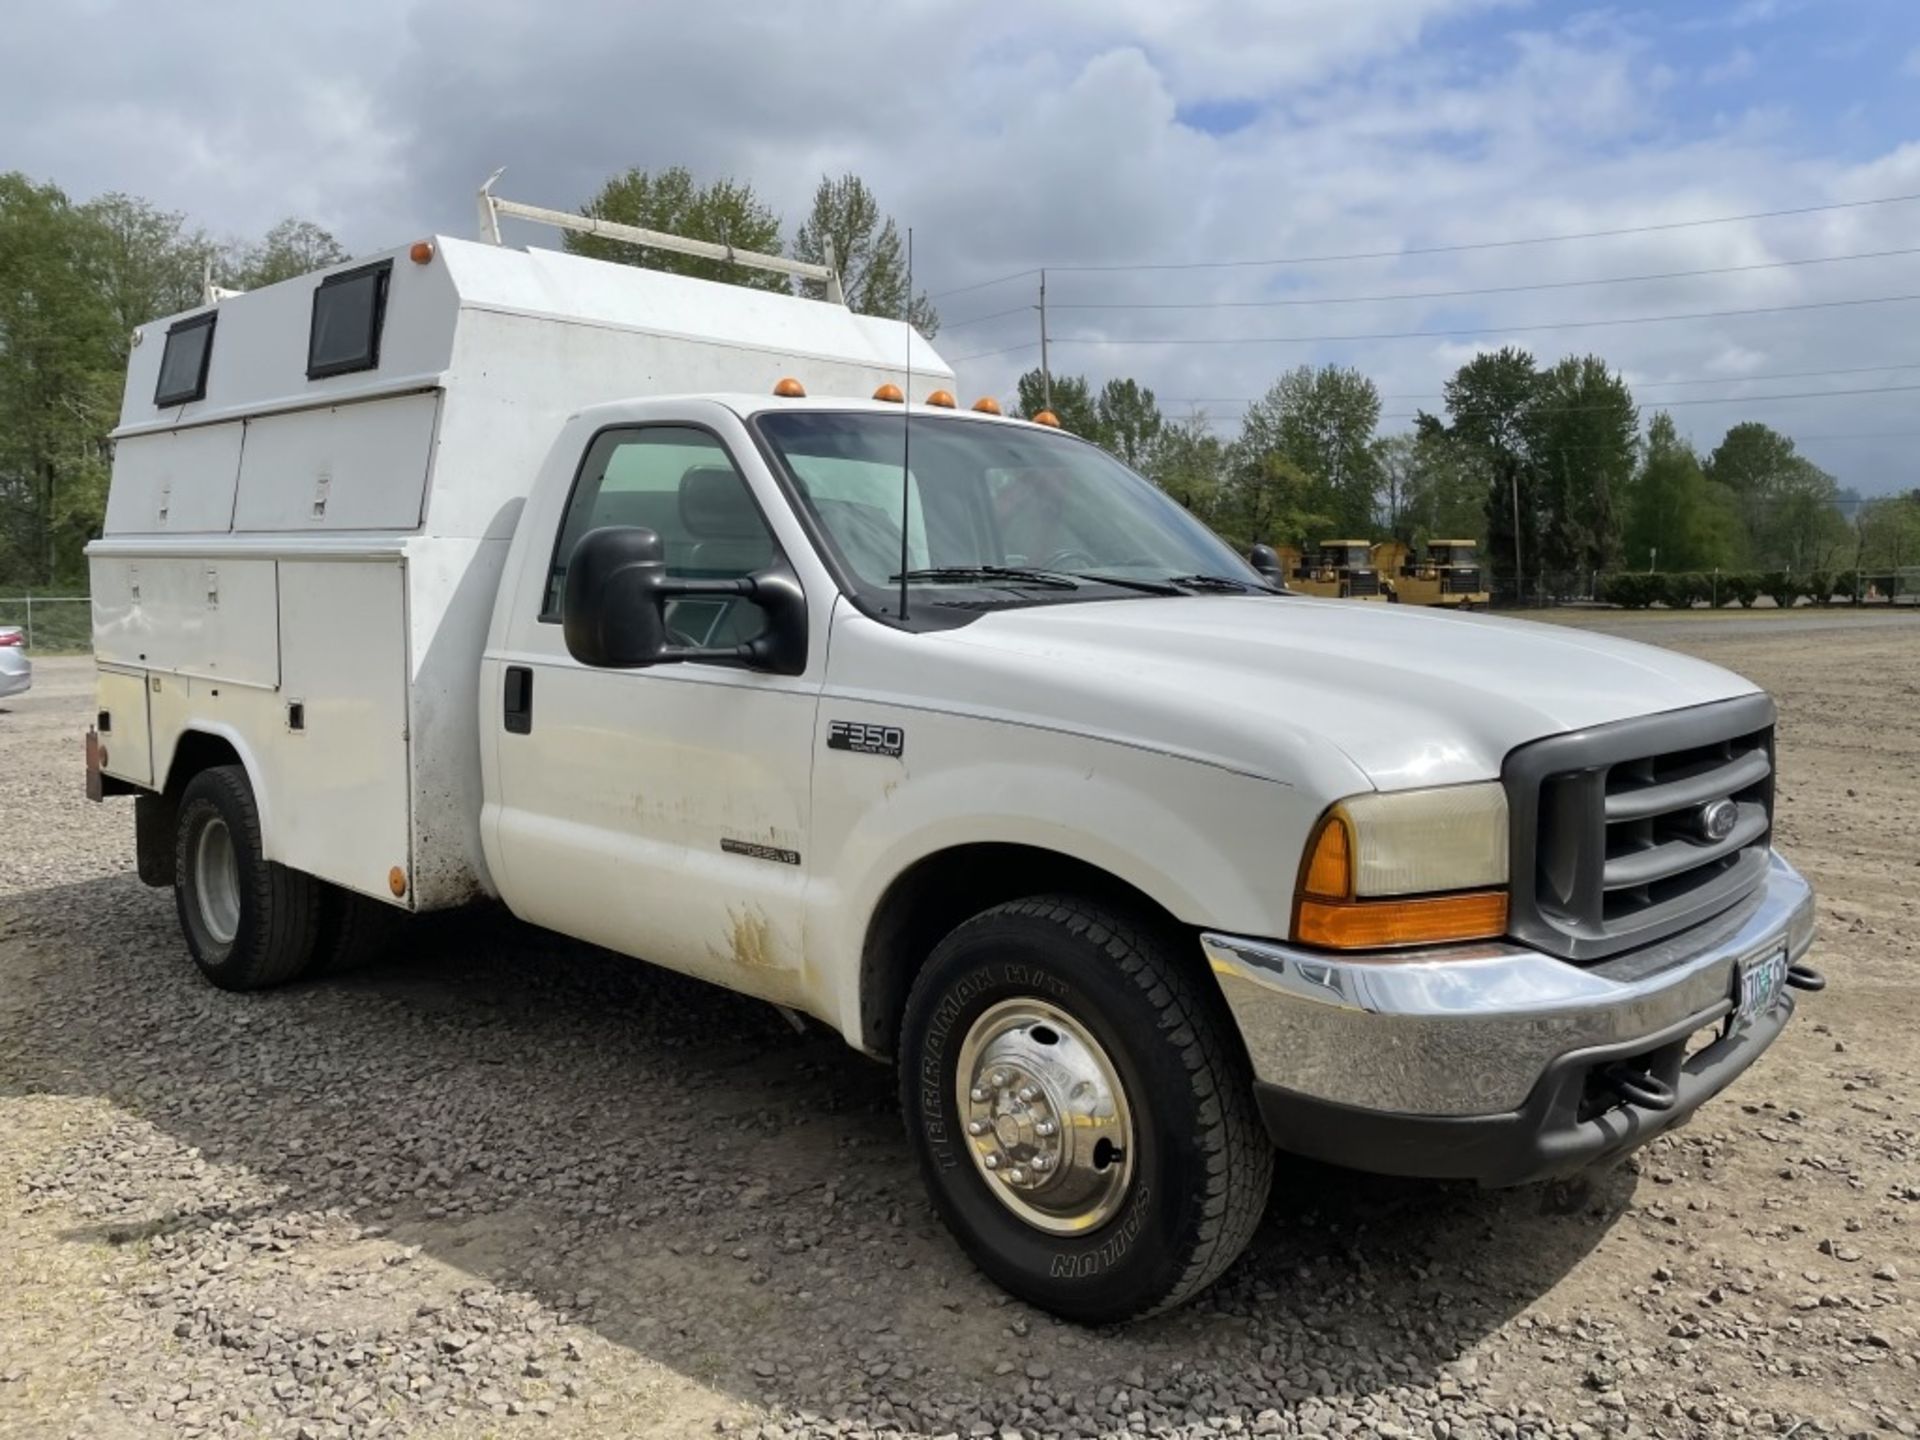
{"type": "Point", "coordinates": [984, 496]}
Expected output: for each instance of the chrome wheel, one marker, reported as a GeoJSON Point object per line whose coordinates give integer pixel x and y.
{"type": "Point", "coordinates": [1047, 1119]}
{"type": "Point", "coordinates": [216, 881]}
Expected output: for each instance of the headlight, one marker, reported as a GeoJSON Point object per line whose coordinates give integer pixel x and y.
{"type": "Point", "coordinates": [1413, 867]}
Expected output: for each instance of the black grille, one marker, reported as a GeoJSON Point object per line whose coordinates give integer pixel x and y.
{"type": "Point", "coordinates": [1460, 582]}
{"type": "Point", "coordinates": [1611, 845]}
{"type": "Point", "coordinates": [1362, 582]}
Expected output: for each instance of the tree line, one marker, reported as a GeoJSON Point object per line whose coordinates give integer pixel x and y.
{"type": "Point", "coordinates": [1552, 455]}
{"type": "Point", "coordinates": [77, 277]}
{"type": "Point", "coordinates": [1545, 465]}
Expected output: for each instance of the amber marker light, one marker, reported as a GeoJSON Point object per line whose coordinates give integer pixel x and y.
{"type": "Point", "coordinates": [987, 405]}
{"type": "Point", "coordinates": [1047, 417]}
{"type": "Point", "coordinates": [397, 882]}
{"type": "Point", "coordinates": [421, 253]}
{"type": "Point", "coordinates": [943, 398]}
{"type": "Point", "coordinates": [790, 389]}
{"type": "Point", "coordinates": [891, 393]}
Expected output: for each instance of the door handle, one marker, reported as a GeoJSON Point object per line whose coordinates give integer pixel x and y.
{"type": "Point", "coordinates": [518, 709]}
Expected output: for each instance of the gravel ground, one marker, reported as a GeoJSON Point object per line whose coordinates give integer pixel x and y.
{"type": "Point", "coordinates": [509, 1186]}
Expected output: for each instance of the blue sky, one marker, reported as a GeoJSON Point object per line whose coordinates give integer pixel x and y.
{"type": "Point", "coordinates": [1115, 132]}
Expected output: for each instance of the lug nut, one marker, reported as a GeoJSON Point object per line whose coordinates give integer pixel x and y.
{"type": "Point", "coordinates": [1017, 1175]}
{"type": "Point", "coordinates": [992, 1162]}
{"type": "Point", "coordinates": [1043, 1162]}
{"type": "Point", "coordinates": [1045, 1128]}
{"type": "Point", "coordinates": [977, 1095]}
{"type": "Point", "coordinates": [1029, 1094]}
{"type": "Point", "coordinates": [976, 1127]}
{"type": "Point", "coordinates": [997, 1079]}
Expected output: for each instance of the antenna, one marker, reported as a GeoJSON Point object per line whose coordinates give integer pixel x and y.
{"type": "Point", "coordinates": [906, 437]}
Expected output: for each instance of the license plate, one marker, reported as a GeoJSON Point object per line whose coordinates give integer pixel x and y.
{"type": "Point", "coordinates": [1762, 980]}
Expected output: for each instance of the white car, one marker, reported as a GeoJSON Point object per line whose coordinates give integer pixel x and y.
{"type": "Point", "coordinates": [16, 670]}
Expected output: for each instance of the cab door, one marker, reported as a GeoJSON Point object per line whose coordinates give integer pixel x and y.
{"type": "Point", "coordinates": [661, 812]}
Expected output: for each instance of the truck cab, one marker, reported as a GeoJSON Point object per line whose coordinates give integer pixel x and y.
{"type": "Point", "coordinates": [942, 728]}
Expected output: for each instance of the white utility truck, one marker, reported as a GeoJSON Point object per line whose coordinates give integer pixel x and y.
{"type": "Point", "coordinates": [472, 571]}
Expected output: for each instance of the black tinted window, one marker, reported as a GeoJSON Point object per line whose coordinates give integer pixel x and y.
{"type": "Point", "coordinates": [348, 310]}
{"type": "Point", "coordinates": [183, 366]}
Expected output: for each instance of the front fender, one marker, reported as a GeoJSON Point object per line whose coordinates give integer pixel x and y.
{"type": "Point", "coordinates": [1202, 842]}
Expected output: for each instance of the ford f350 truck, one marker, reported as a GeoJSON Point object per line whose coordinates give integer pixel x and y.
{"type": "Point", "coordinates": [469, 571]}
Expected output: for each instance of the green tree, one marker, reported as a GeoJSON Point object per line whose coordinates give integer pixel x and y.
{"type": "Point", "coordinates": [1322, 421]}
{"type": "Point", "coordinates": [846, 222]}
{"type": "Point", "coordinates": [1675, 518]}
{"type": "Point", "coordinates": [1785, 501]}
{"type": "Point", "coordinates": [290, 249]}
{"type": "Point", "coordinates": [1583, 436]}
{"type": "Point", "coordinates": [723, 213]}
{"type": "Point", "coordinates": [145, 261]}
{"type": "Point", "coordinates": [1490, 401]}
{"type": "Point", "coordinates": [1435, 489]}
{"type": "Point", "coordinates": [1273, 501]}
{"type": "Point", "coordinates": [59, 381]}
{"type": "Point", "coordinates": [1129, 420]}
{"type": "Point", "coordinates": [1189, 461]}
{"type": "Point", "coordinates": [1073, 404]}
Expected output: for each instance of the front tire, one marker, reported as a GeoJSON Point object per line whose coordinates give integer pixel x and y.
{"type": "Point", "coordinates": [1114, 1166]}
{"type": "Point", "coordinates": [249, 922]}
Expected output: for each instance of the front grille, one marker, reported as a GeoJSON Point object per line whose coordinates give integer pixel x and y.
{"type": "Point", "coordinates": [1610, 845]}
{"type": "Point", "coordinates": [1362, 582]}
{"type": "Point", "coordinates": [1460, 582]}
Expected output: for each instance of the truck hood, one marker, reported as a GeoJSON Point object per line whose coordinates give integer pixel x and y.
{"type": "Point", "coordinates": [1268, 685]}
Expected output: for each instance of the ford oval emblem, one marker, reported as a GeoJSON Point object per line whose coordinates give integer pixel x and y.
{"type": "Point", "coordinates": [1718, 819]}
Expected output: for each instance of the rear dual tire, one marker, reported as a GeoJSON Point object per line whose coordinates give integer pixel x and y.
{"type": "Point", "coordinates": [251, 923]}
{"type": "Point", "coordinates": [1057, 1012]}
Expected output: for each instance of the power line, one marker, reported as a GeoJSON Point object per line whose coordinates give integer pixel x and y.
{"type": "Point", "coordinates": [1637, 385]}
{"type": "Point", "coordinates": [1607, 321]}
{"type": "Point", "coordinates": [1439, 249]}
{"type": "Point", "coordinates": [1295, 300]}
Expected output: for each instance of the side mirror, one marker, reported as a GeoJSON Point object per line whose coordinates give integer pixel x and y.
{"type": "Point", "coordinates": [614, 607]}
{"type": "Point", "coordinates": [1266, 560]}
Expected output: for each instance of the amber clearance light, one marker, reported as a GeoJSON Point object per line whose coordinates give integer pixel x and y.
{"type": "Point", "coordinates": [1326, 911]}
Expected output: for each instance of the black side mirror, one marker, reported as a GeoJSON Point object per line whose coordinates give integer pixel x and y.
{"type": "Point", "coordinates": [1266, 560]}
{"type": "Point", "coordinates": [613, 607]}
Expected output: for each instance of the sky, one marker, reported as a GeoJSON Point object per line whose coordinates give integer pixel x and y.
{"type": "Point", "coordinates": [1123, 133]}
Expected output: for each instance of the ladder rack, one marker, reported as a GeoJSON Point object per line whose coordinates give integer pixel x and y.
{"type": "Point", "coordinates": [492, 207]}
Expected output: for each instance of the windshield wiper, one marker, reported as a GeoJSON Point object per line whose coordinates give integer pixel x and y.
{"type": "Point", "coordinates": [1129, 582]}
{"type": "Point", "coordinates": [1223, 583]}
{"type": "Point", "coordinates": [1052, 579]}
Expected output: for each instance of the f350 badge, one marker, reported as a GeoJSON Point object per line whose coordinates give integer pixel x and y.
{"type": "Point", "coordinates": [864, 739]}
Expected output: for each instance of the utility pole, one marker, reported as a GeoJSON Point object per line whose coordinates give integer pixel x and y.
{"type": "Point", "coordinates": [1519, 570]}
{"type": "Point", "coordinates": [1046, 373]}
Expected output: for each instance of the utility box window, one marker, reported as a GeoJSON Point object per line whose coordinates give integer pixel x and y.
{"type": "Point", "coordinates": [183, 365]}
{"type": "Point", "coordinates": [348, 311]}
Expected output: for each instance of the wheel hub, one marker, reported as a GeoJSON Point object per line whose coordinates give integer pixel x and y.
{"type": "Point", "coordinates": [1047, 1118]}
{"type": "Point", "coordinates": [216, 877]}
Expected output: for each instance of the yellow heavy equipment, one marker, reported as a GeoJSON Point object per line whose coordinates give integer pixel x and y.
{"type": "Point", "coordinates": [1338, 570]}
{"type": "Point", "coordinates": [1449, 575]}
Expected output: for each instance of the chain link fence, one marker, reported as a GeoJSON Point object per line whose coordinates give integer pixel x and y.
{"type": "Point", "coordinates": [1708, 589]}
{"type": "Point", "coordinates": [54, 624]}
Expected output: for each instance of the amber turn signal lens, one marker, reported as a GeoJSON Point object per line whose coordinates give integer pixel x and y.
{"type": "Point", "coordinates": [790, 389]}
{"type": "Point", "coordinates": [942, 398]}
{"type": "Point", "coordinates": [890, 393]}
{"type": "Point", "coordinates": [397, 882]}
{"type": "Point", "coordinates": [1382, 924]}
{"type": "Point", "coordinates": [421, 252]}
{"type": "Point", "coordinates": [987, 405]}
{"type": "Point", "coordinates": [1329, 869]}
{"type": "Point", "coordinates": [1047, 417]}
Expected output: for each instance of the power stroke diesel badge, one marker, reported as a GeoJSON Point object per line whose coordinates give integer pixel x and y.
{"type": "Point", "coordinates": [864, 739]}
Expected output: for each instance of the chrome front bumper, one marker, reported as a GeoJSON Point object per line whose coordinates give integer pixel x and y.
{"type": "Point", "coordinates": [1473, 1031]}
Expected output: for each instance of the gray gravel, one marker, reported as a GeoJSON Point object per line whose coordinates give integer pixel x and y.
{"type": "Point", "coordinates": [505, 1185]}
